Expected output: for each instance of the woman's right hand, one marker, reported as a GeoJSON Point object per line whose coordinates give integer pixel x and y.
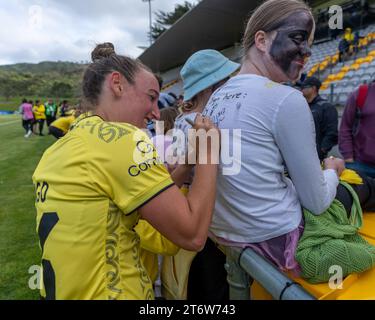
{"type": "Point", "coordinates": [212, 139]}
{"type": "Point", "coordinates": [204, 123]}
{"type": "Point", "coordinates": [185, 219]}
{"type": "Point", "coordinates": [335, 164]}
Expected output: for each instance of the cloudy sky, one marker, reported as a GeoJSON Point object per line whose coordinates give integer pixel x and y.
{"type": "Point", "coordinates": [67, 30]}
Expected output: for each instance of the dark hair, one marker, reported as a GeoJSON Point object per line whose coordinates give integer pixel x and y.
{"type": "Point", "coordinates": [168, 115]}
{"type": "Point", "coordinates": [160, 80]}
{"type": "Point", "coordinates": [187, 106]}
{"type": "Point", "coordinates": [104, 61]}
{"type": "Point", "coordinates": [24, 100]}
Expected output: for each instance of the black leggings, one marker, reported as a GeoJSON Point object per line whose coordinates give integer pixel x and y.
{"type": "Point", "coordinates": [207, 275]}
{"type": "Point", "coordinates": [41, 125]}
{"type": "Point", "coordinates": [49, 120]}
{"type": "Point", "coordinates": [365, 193]}
{"type": "Point", "coordinates": [27, 125]}
{"type": "Point", "coordinates": [56, 132]}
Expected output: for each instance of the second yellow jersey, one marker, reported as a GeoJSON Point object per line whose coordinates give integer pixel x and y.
{"type": "Point", "coordinates": [39, 112]}
{"type": "Point", "coordinates": [63, 123]}
{"type": "Point", "coordinates": [89, 185]}
{"type": "Point", "coordinates": [153, 243]}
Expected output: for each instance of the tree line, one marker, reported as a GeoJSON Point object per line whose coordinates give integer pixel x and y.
{"type": "Point", "coordinates": [57, 79]}
{"type": "Point", "coordinates": [62, 79]}
{"type": "Point", "coordinates": [164, 20]}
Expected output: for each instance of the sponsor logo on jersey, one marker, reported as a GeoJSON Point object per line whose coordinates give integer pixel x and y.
{"type": "Point", "coordinates": [136, 169]}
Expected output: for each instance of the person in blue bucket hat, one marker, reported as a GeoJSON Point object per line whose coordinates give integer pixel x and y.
{"type": "Point", "coordinates": [202, 74]}
{"type": "Point", "coordinates": [205, 69]}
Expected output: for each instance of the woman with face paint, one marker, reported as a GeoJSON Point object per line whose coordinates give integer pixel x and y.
{"type": "Point", "coordinates": [257, 205]}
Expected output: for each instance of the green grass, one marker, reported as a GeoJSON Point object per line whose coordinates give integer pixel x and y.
{"type": "Point", "coordinates": [19, 248]}
{"type": "Point", "coordinates": [11, 104]}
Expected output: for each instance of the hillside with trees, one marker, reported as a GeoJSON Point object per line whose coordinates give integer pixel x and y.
{"type": "Point", "coordinates": [54, 79]}
{"type": "Point", "coordinates": [62, 79]}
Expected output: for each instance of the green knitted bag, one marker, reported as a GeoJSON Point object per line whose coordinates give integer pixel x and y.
{"type": "Point", "coordinates": [332, 239]}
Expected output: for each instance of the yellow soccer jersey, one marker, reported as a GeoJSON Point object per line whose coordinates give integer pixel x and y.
{"type": "Point", "coordinates": [153, 243]}
{"type": "Point", "coordinates": [89, 185]}
{"type": "Point", "coordinates": [63, 123]}
{"type": "Point", "coordinates": [39, 112]}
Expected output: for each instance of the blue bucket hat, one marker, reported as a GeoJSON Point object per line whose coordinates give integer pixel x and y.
{"type": "Point", "coordinates": [204, 69]}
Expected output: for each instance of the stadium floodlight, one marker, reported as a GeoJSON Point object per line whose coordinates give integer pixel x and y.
{"type": "Point", "coordinates": [150, 18]}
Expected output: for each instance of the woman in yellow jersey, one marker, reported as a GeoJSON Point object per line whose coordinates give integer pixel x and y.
{"type": "Point", "coordinates": [94, 184]}
{"type": "Point", "coordinates": [61, 125]}
{"type": "Point", "coordinates": [40, 115]}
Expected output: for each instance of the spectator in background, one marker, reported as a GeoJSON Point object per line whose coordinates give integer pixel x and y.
{"type": "Point", "coordinates": [33, 122]}
{"type": "Point", "coordinates": [51, 111]}
{"type": "Point", "coordinates": [343, 49]}
{"type": "Point", "coordinates": [356, 39]}
{"type": "Point", "coordinates": [357, 132]}
{"type": "Point", "coordinates": [61, 126]}
{"type": "Point", "coordinates": [39, 111]}
{"type": "Point", "coordinates": [26, 109]}
{"type": "Point", "coordinates": [64, 108]}
{"type": "Point", "coordinates": [165, 99]}
{"type": "Point", "coordinates": [324, 114]}
{"type": "Point", "coordinates": [345, 45]}
{"type": "Point", "coordinates": [348, 35]}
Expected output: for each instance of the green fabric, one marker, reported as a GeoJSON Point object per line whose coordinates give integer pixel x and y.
{"type": "Point", "coordinates": [332, 239]}
{"type": "Point", "coordinates": [51, 109]}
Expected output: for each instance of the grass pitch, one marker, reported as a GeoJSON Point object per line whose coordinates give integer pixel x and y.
{"type": "Point", "coordinates": [19, 244]}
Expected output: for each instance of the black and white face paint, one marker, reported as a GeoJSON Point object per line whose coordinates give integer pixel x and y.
{"type": "Point", "coordinates": [291, 46]}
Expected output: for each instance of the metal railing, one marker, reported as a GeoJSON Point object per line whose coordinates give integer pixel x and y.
{"type": "Point", "coordinates": [244, 266]}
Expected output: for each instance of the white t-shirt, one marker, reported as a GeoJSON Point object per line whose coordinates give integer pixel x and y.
{"type": "Point", "coordinates": [180, 124]}
{"type": "Point", "coordinates": [258, 202]}
{"type": "Point", "coordinates": [180, 138]}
